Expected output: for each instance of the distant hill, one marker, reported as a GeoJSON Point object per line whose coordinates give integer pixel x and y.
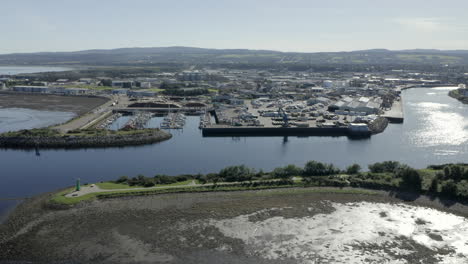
{"type": "Point", "coordinates": [190, 55]}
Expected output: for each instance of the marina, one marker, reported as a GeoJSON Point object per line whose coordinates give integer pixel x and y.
{"type": "Point", "coordinates": [173, 121]}
{"type": "Point", "coordinates": [434, 132]}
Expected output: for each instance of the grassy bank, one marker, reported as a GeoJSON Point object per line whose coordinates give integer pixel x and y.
{"type": "Point", "coordinates": [448, 180]}
{"type": "Point", "coordinates": [60, 198]}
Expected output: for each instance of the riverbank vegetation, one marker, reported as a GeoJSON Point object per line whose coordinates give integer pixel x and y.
{"type": "Point", "coordinates": [457, 95]}
{"type": "Point", "coordinates": [81, 138]}
{"type": "Point", "coordinates": [447, 181]}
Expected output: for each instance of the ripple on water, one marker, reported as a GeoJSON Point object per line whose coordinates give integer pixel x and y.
{"type": "Point", "coordinates": [356, 233]}
{"type": "Point", "coordinates": [12, 119]}
{"type": "Point", "coordinates": [441, 127]}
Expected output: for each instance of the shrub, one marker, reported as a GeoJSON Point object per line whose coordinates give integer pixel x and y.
{"type": "Point", "coordinates": [353, 169]}
{"type": "Point", "coordinates": [287, 172]}
{"type": "Point", "coordinates": [449, 188]}
{"type": "Point", "coordinates": [411, 179]}
{"type": "Point", "coordinates": [122, 179]}
{"type": "Point", "coordinates": [386, 166]}
{"type": "Point", "coordinates": [314, 168]}
{"type": "Point", "coordinates": [434, 187]}
{"type": "Point", "coordinates": [237, 173]}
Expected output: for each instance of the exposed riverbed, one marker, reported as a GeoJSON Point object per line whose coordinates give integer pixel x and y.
{"type": "Point", "coordinates": [274, 226]}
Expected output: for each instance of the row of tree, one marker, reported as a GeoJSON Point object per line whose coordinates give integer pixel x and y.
{"type": "Point", "coordinates": [450, 180]}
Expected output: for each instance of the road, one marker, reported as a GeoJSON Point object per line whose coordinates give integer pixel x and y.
{"type": "Point", "coordinates": [95, 189]}
{"type": "Point", "coordinates": [95, 114]}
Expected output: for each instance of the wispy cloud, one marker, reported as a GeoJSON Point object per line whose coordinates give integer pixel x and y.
{"type": "Point", "coordinates": [431, 24]}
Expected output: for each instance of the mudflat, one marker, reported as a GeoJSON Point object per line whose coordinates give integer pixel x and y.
{"type": "Point", "coordinates": [298, 225]}
{"type": "Point", "coordinates": [76, 104]}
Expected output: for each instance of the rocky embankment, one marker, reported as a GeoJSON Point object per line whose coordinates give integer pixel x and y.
{"type": "Point", "coordinates": [69, 141]}
{"type": "Point", "coordinates": [456, 94]}
{"type": "Point", "coordinates": [379, 125]}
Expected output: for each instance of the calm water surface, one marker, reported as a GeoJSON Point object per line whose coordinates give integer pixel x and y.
{"type": "Point", "coordinates": [12, 70]}
{"type": "Point", "coordinates": [12, 119]}
{"type": "Point", "coordinates": [435, 131]}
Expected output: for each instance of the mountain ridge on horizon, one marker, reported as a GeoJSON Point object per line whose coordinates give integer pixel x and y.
{"type": "Point", "coordinates": [174, 48]}
{"type": "Point", "coordinates": [195, 55]}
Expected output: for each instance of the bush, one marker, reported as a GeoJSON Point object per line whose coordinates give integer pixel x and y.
{"type": "Point", "coordinates": [314, 168]}
{"type": "Point", "coordinates": [148, 183]}
{"type": "Point", "coordinates": [122, 179]}
{"type": "Point", "coordinates": [353, 169]}
{"type": "Point", "coordinates": [237, 173]}
{"type": "Point", "coordinates": [386, 166]}
{"type": "Point", "coordinates": [164, 179]}
{"type": "Point", "coordinates": [411, 179]}
{"type": "Point", "coordinates": [287, 172]}
{"type": "Point", "coordinates": [449, 188]}
{"type": "Point", "coordinates": [434, 187]}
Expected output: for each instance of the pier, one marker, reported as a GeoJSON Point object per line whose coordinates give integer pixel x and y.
{"type": "Point", "coordinates": [395, 114]}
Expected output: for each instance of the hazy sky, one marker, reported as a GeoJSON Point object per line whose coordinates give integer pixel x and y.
{"type": "Point", "coordinates": [287, 25]}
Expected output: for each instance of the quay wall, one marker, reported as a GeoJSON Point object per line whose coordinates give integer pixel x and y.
{"type": "Point", "coordinates": [280, 131]}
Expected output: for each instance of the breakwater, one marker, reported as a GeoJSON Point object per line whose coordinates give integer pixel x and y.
{"type": "Point", "coordinates": [379, 125]}
{"type": "Point", "coordinates": [65, 141]}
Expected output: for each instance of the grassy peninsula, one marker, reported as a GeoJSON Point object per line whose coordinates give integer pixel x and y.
{"type": "Point", "coordinates": [446, 181]}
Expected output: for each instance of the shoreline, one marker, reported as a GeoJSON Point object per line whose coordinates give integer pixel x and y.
{"type": "Point", "coordinates": [454, 94]}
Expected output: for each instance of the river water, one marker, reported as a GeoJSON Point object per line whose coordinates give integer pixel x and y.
{"type": "Point", "coordinates": [12, 70]}
{"type": "Point", "coordinates": [435, 131]}
{"type": "Point", "coordinates": [12, 119]}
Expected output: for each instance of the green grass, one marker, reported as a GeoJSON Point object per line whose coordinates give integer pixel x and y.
{"type": "Point", "coordinates": [113, 186]}
{"type": "Point", "coordinates": [59, 198]}
{"type": "Point", "coordinates": [176, 183]}
{"type": "Point", "coordinates": [157, 90]}
{"type": "Point", "coordinates": [126, 190]}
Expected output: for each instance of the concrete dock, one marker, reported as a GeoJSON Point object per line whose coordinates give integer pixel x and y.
{"type": "Point", "coordinates": [395, 114]}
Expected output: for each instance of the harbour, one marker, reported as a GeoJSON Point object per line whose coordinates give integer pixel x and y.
{"type": "Point", "coordinates": [434, 132]}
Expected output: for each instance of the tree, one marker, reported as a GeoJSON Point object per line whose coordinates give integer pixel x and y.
{"type": "Point", "coordinates": [236, 173]}
{"type": "Point", "coordinates": [314, 168]}
{"type": "Point", "coordinates": [447, 172]}
{"type": "Point", "coordinates": [465, 175]}
{"type": "Point", "coordinates": [449, 188]}
{"type": "Point", "coordinates": [287, 172]}
{"type": "Point", "coordinates": [434, 187]}
{"type": "Point", "coordinates": [411, 179]}
{"type": "Point", "coordinates": [122, 179]}
{"type": "Point", "coordinates": [353, 169]}
{"type": "Point", "coordinates": [456, 172]}
{"type": "Point", "coordinates": [386, 166]}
